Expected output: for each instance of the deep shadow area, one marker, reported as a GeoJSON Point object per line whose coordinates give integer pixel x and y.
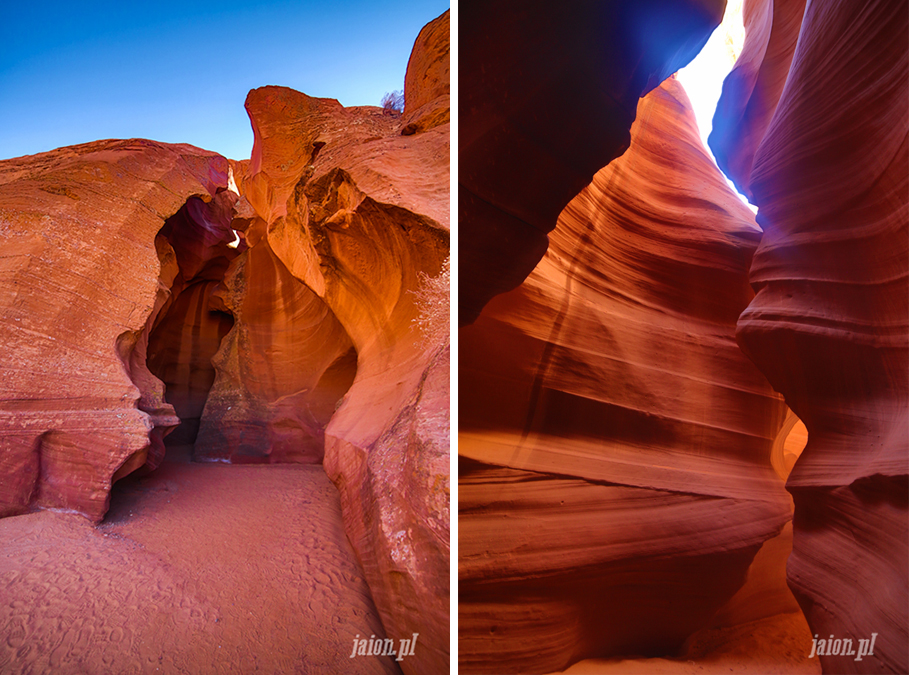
{"type": "Point", "coordinates": [180, 350]}
{"type": "Point", "coordinates": [195, 249]}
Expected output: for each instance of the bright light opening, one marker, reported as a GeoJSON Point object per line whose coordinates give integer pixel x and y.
{"type": "Point", "coordinates": [703, 77]}
{"type": "Point", "coordinates": [231, 181]}
{"type": "Point", "coordinates": [236, 241]}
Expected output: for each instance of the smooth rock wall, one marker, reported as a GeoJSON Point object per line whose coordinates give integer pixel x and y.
{"type": "Point", "coordinates": [614, 441]}
{"type": "Point", "coordinates": [829, 324]}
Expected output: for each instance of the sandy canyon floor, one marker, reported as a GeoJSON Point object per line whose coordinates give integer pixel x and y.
{"type": "Point", "coordinates": [197, 568]}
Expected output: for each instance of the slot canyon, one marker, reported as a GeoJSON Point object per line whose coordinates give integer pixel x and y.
{"type": "Point", "coordinates": [224, 409]}
{"type": "Point", "coordinates": [683, 443]}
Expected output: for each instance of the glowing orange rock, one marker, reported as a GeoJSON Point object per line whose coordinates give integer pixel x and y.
{"type": "Point", "coordinates": [615, 443]}
{"type": "Point", "coordinates": [358, 216]}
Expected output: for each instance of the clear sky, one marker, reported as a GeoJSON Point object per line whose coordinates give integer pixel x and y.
{"type": "Point", "coordinates": [179, 70]}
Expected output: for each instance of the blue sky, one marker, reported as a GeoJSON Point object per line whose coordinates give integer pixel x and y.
{"type": "Point", "coordinates": [179, 70]}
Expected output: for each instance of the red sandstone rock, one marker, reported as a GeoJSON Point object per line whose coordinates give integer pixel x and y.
{"type": "Point", "coordinates": [122, 266]}
{"type": "Point", "coordinates": [80, 281]}
{"type": "Point", "coordinates": [427, 90]}
{"type": "Point", "coordinates": [281, 370]}
{"type": "Point", "coordinates": [753, 88]}
{"type": "Point", "coordinates": [357, 216]}
{"type": "Point", "coordinates": [615, 443]}
{"type": "Point", "coordinates": [830, 319]}
{"type": "Point", "coordinates": [547, 96]}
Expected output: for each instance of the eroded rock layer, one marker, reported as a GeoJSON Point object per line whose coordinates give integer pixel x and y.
{"type": "Point", "coordinates": [343, 209]}
{"type": "Point", "coordinates": [80, 278]}
{"type": "Point", "coordinates": [281, 370]}
{"type": "Point", "coordinates": [547, 97]}
{"type": "Point", "coordinates": [615, 444]}
{"type": "Point", "coordinates": [830, 319]}
{"type": "Point", "coordinates": [427, 83]}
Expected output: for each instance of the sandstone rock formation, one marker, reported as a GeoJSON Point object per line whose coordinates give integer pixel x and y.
{"type": "Point", "coordinates": [280, 371]}
{"type": "Point", "coordinates": [830, 319]}
{"type": "Point", "coordinates": [303, 321]}
{"type": "Point", "coordinates": [615, 477]}
{"type": "Point", "coordinates": [356, 214]}
{"type": "Point", "coordinates": [195, 250]}
{"type": "Point", "coordinates": [547, 98]}
{"type": "Point", "coordinates": [360, 240]}
{"type": "Point", "coordinates": [80, 285]}
{"type": "Point", "coordinates": [427, 100]}
{"type": "Point", "coordinates": [753, 87]}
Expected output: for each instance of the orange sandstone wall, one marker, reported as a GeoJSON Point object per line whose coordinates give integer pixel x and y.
{"type": "Point", "coordinates": [80, 279]}
{"type": "Point", "coordinates": [614, 442]}
{"type": "Point", "coordinates": [354, 205]}
{"type": "Point", "coordinates": [829, 324]}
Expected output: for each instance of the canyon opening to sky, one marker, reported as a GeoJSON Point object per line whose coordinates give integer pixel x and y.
{"type": "Point", "coordinates": [680, 386]}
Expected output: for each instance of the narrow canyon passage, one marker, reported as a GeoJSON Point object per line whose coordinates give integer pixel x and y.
{"type": "Point", "coordinates": [197, 568]}
{"type": "Point", "coordinates": [201, 566]}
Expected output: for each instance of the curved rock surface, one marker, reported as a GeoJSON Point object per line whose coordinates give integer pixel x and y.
{"type": "Point", "coordinates": [829, 324]}
{"type": "Point", "coordinates": [358, 216]}
{"type": "Point", "coordinates": [547, 98]}
{"type": "Point", "coordinates": [427, 88]}
{"type": "Point", "coordinates": [281, 370]}
{"type": "Point", "coordinates": [79, 283]}
{"type": "Point", "coordinates": [615, 443]}
{"type": "Point", "coordinates": [307, 319]}
{"type": "Point", "coordinates": [752, 89]}
{"type": "Point", "coordinates": [183, 333]}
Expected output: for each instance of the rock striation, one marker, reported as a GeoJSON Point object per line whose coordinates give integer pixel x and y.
{"type": "Point", "coordinates": [82, 278]}
{"type": "Point", "coordinates": [547, 98]}
{"type": "Point", "coordinates": [615, 477]}
{"type": "Point", "coordinates": [829, 324]}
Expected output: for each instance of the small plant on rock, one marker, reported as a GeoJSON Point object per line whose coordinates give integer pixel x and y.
{"type": "Point", "coordinates": [393, 103]}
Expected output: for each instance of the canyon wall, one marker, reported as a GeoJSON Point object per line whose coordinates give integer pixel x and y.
{"type": "Point", "coordinates": [830, 319]}
{"type": "Point", "coordinates": [615, 477]}
{"type": "Point", "coordinates": [547, 97]}
{"type": "Point", "coordinates": [354, 205]}
{"type": "Point", "coordinates": [292, 307]}
{"type": "Point", "coordinates": [83, 277]}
